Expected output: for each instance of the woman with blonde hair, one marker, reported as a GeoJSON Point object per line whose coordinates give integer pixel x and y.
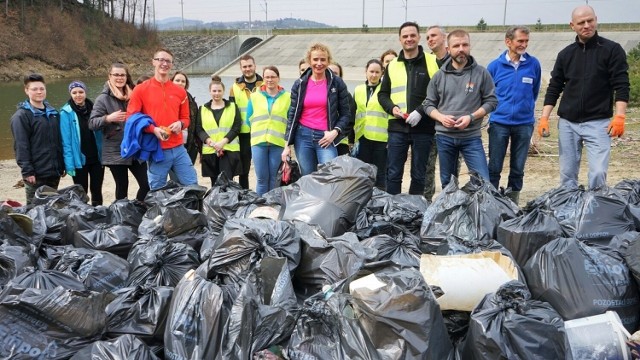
{"type": "Point", "coordinates": [109, 115]}
{"type": "Point", "coordinates": [319, 115]}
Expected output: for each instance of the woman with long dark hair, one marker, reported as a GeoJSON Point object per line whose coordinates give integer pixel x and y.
{"type": "Point", "coordinates": [109, 115]}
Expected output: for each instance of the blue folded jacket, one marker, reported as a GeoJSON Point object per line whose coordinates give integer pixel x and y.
{"type": "Point", "coordinates": [138, 144]}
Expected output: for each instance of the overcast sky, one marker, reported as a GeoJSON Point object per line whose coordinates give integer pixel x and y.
{"type": "Point", "coordinates": [349, 13]}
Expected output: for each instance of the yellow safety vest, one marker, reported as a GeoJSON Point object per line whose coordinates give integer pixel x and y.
{"type": "Point", "coordinates": [218, 131]}
{"type": "Point", "coordinates": [269, 127]}
{"type": "Point", "coordinates": [371, 119]}
{"type": "Point", "coordinates": [398, 75]}
{"type": "Point", "coordinates": [241, 98]}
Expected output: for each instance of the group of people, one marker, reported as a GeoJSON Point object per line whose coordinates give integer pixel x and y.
{"type": "Point", "coordinates": [431, 103]}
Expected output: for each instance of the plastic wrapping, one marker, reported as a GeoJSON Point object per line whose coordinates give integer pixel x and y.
{"type": "Point", "coordinates": [331, 197]}
{"type": "Point", "coordinates": [580, 280]}
{"type": "Point", "coordinates": [508, 324]}
{"type": "Point", "coordinates": [393, 243]}
{"type": "Point", "coordinates": [47, 280]}
{"type": "Point", "coordinates": [189, 196]}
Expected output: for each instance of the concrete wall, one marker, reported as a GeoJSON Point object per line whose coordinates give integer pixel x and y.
{"type": "Point", "coordinates": [216, 59]}
{"type": "Point", "coordinates": [352, 51]}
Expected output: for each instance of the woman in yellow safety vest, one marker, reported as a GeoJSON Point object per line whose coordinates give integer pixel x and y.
{"type": "Point", "coordinates": [267, 116]}
{"type": "Point", "coordinates": [371, 122]}
{"type": "Point", "coordinates": [218, 125]}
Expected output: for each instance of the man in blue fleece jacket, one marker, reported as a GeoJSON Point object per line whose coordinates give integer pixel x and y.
{"type": "Point", "coordinates": [516, 75]}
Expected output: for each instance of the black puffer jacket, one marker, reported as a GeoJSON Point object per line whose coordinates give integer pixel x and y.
{"type": "Point", "coordinates": [339, 108]}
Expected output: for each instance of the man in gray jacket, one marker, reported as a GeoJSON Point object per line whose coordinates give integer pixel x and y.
{"type": "Point", "coordinates": [458, 98]}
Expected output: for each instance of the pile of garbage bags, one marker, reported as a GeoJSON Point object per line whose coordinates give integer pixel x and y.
{"type": "Point", "coordinates": [328, 267]}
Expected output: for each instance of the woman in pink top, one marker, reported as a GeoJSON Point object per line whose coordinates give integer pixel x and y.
{"type": "Point", "coordinates": [319, 113]}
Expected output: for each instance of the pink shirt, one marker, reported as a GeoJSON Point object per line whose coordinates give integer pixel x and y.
{"type": "Point", "coordinates": [314, 107]}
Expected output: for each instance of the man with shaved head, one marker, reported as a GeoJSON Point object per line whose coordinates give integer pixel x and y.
{"type": "Point", "coordinates": [592, 76]}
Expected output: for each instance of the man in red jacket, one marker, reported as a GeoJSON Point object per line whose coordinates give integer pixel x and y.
{"type": "Point", "coordinates": [168, 106]}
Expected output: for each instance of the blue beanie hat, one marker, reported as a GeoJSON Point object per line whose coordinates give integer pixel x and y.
{"type": "Point", "coordinates": [77, 83]}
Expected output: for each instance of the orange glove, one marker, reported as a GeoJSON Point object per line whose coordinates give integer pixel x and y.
{"type": "Point", "coordinates": [543, 126]}
{"type": "Point", "coordinates": [616, 127]}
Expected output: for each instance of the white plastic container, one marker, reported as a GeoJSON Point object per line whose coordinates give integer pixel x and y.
{"type": "Point", "coordinates": [598, 337]}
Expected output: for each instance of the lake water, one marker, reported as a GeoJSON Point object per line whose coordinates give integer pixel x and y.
{"type": "Point", "coordinates": [12, 93]}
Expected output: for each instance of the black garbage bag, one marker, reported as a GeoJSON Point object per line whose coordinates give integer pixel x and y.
{"type": "Point", "coordinates": [98, 270]}
{"type": "Point", "coordinates": [402, 209]}
{"type": "Point", "coordinates": [329, 328]}
{"type": "Point", "coordinates": [604, 214]}
{"type": "Point", "coordinates": [195, 237]}
{"type": "Point", "coordinates": [116, 239]}
{"type": "Point", "coordinates": [457, 324]}
{"type": "Point", "coordinates": [264, 314]}
{"type": "Point", "coordinates": [510, 325]}
{"type": "Point", "coordinates": [565, 203]}
{"type": "Point", "coordinates": [243, 244]}
{"type": "Point", "coordinates": [127, 212]}
{"type": "Point", "coordinates": [524, 235]}
{"type": "Point", "coordinates": [48, 324]}
{"type": "Point", "coordinates": [173, 220]}
{"type": "Point", "coordinates": [12, 233]}
{"type": "Point", "coordinates": [227, 200]}
{"type": "Point", "coordinates": [196, 318]}
{"type": "Point", "coordinates": [622, 242]}
{"type": "Point", "coordinates": [47, 280]}
{"type": "Point", "coordinates": [189, 196]}
{"type": "Point", "coordinates": [631, 255]}
{"type": "Point", "coordinates": [87, 219]}
{"type": "Point", "coordinates": [579, 280]}
{"type": "Point", "coordinates": [141, 311]}
{"type": "Point", "coordinates": [393, 242]}
{"type": "Point", "coordinates": [57, 198]}
{"type": "Point", "coordinates": [125, 347]}
{"type": "Point", "coordinates": [14, 260]}
{"type": "Point", "coordinates": [630, 189]}
{"type": "Point", "coordinates": [158, 262]}
{"type": "Point", "coordinates": [331, 197]}
{"type": "Point", "coordinates": [401, 316]}
{"type": "Point", "coordinates": [50, 219]}
{"type": "Point", "coordinates": [326, 261]}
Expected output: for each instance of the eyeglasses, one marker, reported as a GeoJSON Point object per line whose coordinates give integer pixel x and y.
{"type": "Point", "coordinates": [166, 61]}
{"type": "Point", "coordinates": [118, 75]}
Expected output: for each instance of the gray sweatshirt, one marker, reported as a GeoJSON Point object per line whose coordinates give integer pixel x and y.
{"type": "Point", "coordinates": [458, 93]}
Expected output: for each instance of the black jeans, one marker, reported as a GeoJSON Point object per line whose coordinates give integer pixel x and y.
{"type": "Point", "coordinates": [245, 158]}
{"type": "Point", "coordinates": [121, 177]}
{"type": "Point", "coordinates": [90, 177]}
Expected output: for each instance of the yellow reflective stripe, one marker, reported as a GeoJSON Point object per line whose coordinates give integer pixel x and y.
{"type": "Point", "coordinates": [377, 129]}
{"type": "Point", "coordinates": [374, 113]}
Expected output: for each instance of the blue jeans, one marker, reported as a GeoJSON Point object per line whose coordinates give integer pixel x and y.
{"type": "Point", "coordinates": [308, 152]}
{"type": "Point", "coordinates": [266, 160]}
{"type": "Point", "coordinates": [449, 149]}
{"type": "Point", "coordinates": [571, 138]}
{"type": "Point", "coordinates": [518, 137]}
{"type": "Point", "coordinates": [397, 149]}
{"type": "Point", "coordinates": [176, 159]}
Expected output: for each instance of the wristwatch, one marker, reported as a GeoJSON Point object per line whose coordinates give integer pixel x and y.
{"type": "Point", "coordinates": [471, 117]}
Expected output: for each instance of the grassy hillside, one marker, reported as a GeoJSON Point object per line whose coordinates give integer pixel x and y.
{"type": "Point", "coordinates": [73, 41]}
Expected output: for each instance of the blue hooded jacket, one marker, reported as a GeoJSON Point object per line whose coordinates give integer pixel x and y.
{"type": "Point", "coordinates": [516, 89]}
{"type": "Point", "coordinates": [138, 144]}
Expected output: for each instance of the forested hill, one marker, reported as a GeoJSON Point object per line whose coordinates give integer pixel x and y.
{"type": "Point", "coordinates": [62, 38]}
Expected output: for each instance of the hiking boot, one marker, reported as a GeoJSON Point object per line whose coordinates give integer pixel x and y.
{"type": "Point", "coordinates": [514, 196]}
